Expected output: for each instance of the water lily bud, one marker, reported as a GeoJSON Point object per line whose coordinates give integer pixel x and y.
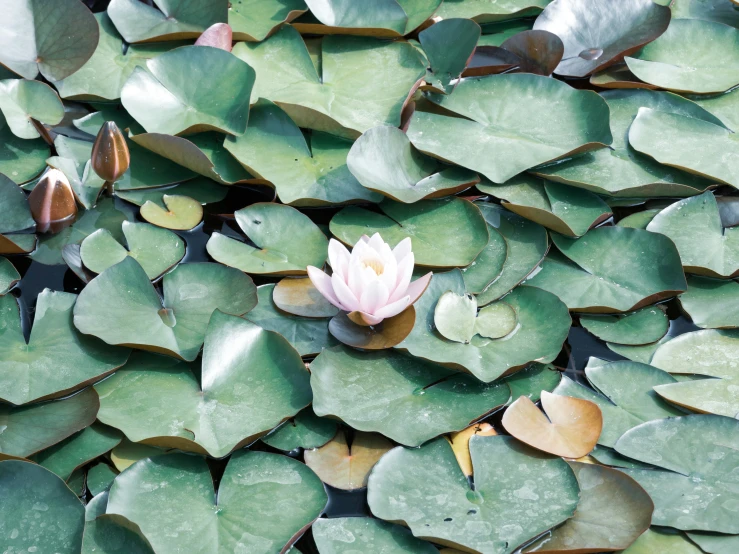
{"type": "Point", "coordinates": [373, 282]}
{"type": "Point", "coordinates": [218, 35]}
{"type": "Point", "coordinates": [110, 157]}
{"type": "Point", "coordinates": [52, 203]}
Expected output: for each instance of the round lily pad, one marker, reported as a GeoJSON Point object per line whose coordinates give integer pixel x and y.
{"type": "Point", "coordinates": [255, 20]}
{"type": "Point", "coordinates": [306, 430]}
{"type": "Point", "coordinates": [406, 399]}
{"type": "Point", "coordinates": [712, 303]}
{"type": "Point", "coordinates": [181, 213]}
{"type": "Point", "coordinates": [270, 499]}
{"type": "Point", "coordinates": [342, 535]}
{"type": "Point", "coordinates": [386, 334]}
{"type": "Point", "coordinates": [57, 359]}
{"type": "Point", "coordinates": [454, 316]}
{"type": "Point", "coordinates": [156, 250]}
{"type": "Point", "coordinates": [121, 306]}
{"type": "Point", "coordinates": [423, 222]}
{"type": "Point", "coordinates": [251, 380]}
{"type": "Point", "coordinates": [639, 220]}
{"type": "Point", "coordinates": [9, 275]}
{"type": "Point", "coordinates": [495, 321]}
{"type": "Point", "coordinates": [286, 240]}
{"type": "Point", "coordinates": [22, 101]}
{"type": "Point", "coordinates": [298, 296]}
{"type": "Point", "coordinates": [494, 517]}
{"type": "Point", "coordinates": [641, 327]}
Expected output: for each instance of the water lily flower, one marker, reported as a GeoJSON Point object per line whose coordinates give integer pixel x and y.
{"type": "Point", "coordinates": [373, 282]}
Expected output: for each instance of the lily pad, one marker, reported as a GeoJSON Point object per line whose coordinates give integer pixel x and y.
{"type": "Point", "coordinates": [343, 535]}
{"type": "Point", "coordinates": [711, 303]}
{"type": "Point", "coordinates": [57, 359]}
{"type": "Point", "coordinates": [639, 220]}
{"type": "Point", "coordinates": [99, 478]}
{"type": "Point", "coordinates": [672, 62]}
{"type": "Point", "coordinates": [495, 34]}
{"type": "Point", "coordinates": [156, 250]}
{"type": "Point", "coordinates": [715, 543]}
{"type": "Point", "coordinates": [705, 247]}
{"type": "Point", "coordinates": [356, 71]}
{"type": "Point", "coordinates": [460, 442]}
{"type": "Point", "coordinates": [495, 321]}
{"type": "Point", "coordinates": [662, 539]}
{"type": "Point", "coordinates": [306, 430]}
{"type": "Point", "coordinates": [724, 106]}
{"type": "Point", "coordinates": [213, 97]}
{"type": "Point", "coordinates": [128, 453]}
{"type": "Point", "coordinates": [121, 306]}
{"type": "Point", "coordinates": [303, 172]}
{"type": "Point", "coordinates": [39, 511]}
{"type": "Point", "coordinates": [270, 499]}
{"type": "Point", "coordinates": [22, 101]}
{"type": "Point", "coordinates": [618, 76]}
{"type": "Point", "coordinates": [180, 213]}
{"type": "Point", "coordinates": [20, 159]}
{"type": "Point", "coordinates": [539, 51]}
{"type": "Point", "coordinates": [488, 265]}
{"type": "Point", "coordinates": [558, 207]}
{"type": "Point", "coordinates": [106, 533]}
{"type": "Point", "coordinates": [201, 189]}
{"type": "Point", "coordinates": [423, 222]}
{"type": "Point", "coordinates": [454, 316]}
{"type": "Point", "coordinates": [307, 336]}
{"type": "Point", "coordinates": [487, 11]}
{"type": "Point", "coordinates": [694, 489]}
{"type": "Point", "coordinates": [543, 324]}
{"type": "Point", "coordinates": [388, 333]}
{"type": "Point", "coordinates": [53, 37]}
{"type": "Point", "coordinates": [251, 380]}
{"type": "Point", "coordinates": [298, 296]}
{"type": "Point", "coordinates": [611, 33]}
{"type": "Point", "coordinates": [611, 269]}
{"type": "Point", "coordinates": [640, 327]}
{"type": "Point", "coordinates": [9, 275]}
{"type": "Point", "coordinates": [384, 160]}
{"type": "Point", "coordinates": [286, 240]}
{"type": "Point", "coordinates": [255, 20]}
{"type": "Point", "coordinates": [489, 518]}
{"type": "Point", "coordinates": [178, 19]}
{"type": "Point", "coordinates": [710, 10]}
{"type": "Point", "coordinates": [498, 113]}
{"type": "Point", "coordinates": [529, 382]}
{"type": "Point", "coordinates": [642, 354]}
{"type": "Point", "coordinates": [448, 45]}
{"type": "Point", "coordinates": [406, 399]}
{"type": "Point", "coordinates": [14, 207]}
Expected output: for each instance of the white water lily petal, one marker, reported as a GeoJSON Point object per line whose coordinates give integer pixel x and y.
{"type": "Point", "coordinates": [374, 297]}
{"type": "Point", "coordinates": [417, 287]}
{"type": "Point", "coordinates": [393, 309]}
{"type": "Point", "coordinates": [322, 282]}
{"type": "Point", "coordinates": [402, 249]}
{"type": "Point", "coordinates": [344, 294]}
{"type": "Point", "coordinates": [403, 279]}
{"type": "Point", "coordinates": [338, 258]}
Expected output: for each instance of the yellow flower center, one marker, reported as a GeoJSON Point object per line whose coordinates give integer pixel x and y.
{"type": "Point", "coordinates": [374, 264]}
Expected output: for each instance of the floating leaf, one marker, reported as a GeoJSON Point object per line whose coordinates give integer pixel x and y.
{"type": "Point", "coordinates": [422, 222]}
{"type": "Point", "coordinates": [641, 327]}
{"type": "Point", "coordinates": [724, 106]}
{"type": "Point", "coordinates": [106, 533]}
{"type": "Point", "coordinates": [213, 97]}
{"type": "Point", "coordinates": [449, 46]}
{"type": "Point", "coordinates": [488, 265]}
{"type": "Point", "coordinates": [255, 20]}
{"type": "Point", "coordinates": [356, 71]}
{"type": "Point", "coordinates": [21, 160]}
{"type": "Point", "coordinates": [121, 306]}
{"type": "Point", "coordinates": [298, 296]}
{"type": "Point", "coordinates": [180, 213]}
{"type": "Point", "coordinates": [711, 303]}
{"type": "Point", "coordinates": [343, 535]}
{"type": "Point", "coordinates": [54, 37]}
{"type": "Point", "coordinates": [384, 160]}
{"type": "Point", "coordinates": [99, 478]}
{"type": "Point", "coordinates": [639, 220]}
{"type": "Point", "coordinates": [201, 189]}
{"type": "Point", "coordinates": [485, 11]}
{"type": "Point", "coordinates": [495, 321]}
{"type": "Point", "coordinates": [9, 276]}
{"type": "Point", "coordinates": [128, 453]}
{"type": "Point", "coordinates": [494, 111]}
{"type": "Point", "coordinates": [531, 381]}
{"type": "Point", "coordinates": [454, 316]}
{"type": "Point", "coordinates": [14, 207]}
{"type": "Point", "coordinates": [642, 354]}
{"type": "Point", "coordinates": [460, 442]}
{"type": "Point", "coordinates": [389, 332]}
{"type": "Point", "coordinates": [715, 543]}
{"type": "Point", "coordinates": [287, 241]}
{"type": "Point", "coordinates": [710, 10]}
{"type": "Point", "coordinates": [306, 430]}
{"type": "Point", "coordinates": [662, 539]}
{"type": "Point", "coordinates": [272, 498]}
{"type": "Point", "coordinates": [618, 76]}
{"type": "Point", "coordinates": [23, 101]}
{"type": "Point", "coordinates": [539, 51]}
{"type": "Point", "coordinates": [496, 516]}
{"type": "Point", "coordinates": [156, 250]}
{"type": "Point", "coordinates": [406, 399]}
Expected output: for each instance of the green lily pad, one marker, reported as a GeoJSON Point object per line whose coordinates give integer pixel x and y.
{"type": "Point", "coordinates": [558, 207]}
{"type": "Point", "coordinates": [624, 395]}
{"type": "Point", "coordinates": [306, 430]}
{"type": "Point", "coordinates": [178, 19]}
{"type": "Point", "coordinates": [623, 171]}
{"type": "Point", "coordinates": [286, 240]}
{"type": "Point", "coordinates": [611, 269]}
{"type": "Point", "coordinates": [103, 75]}
{"type": "Point", "coordinates": [711, 303]}
{"type": "Point", "coordinates": [39, 511]}
{"type": "Point", "coordinates": [14, 207]}
{"type": "Point", "coordinates": [724, 106]}
{"type": "Point", "coordinates": [22, 100]}
{"type": "Point", "coordinates": [304, 173]}
{"type": "Point", "coordinates": [526, 245]}
{"type": "Point", "coordinates": [356, 71]}
{"type": "Point", "coordinates": [449, 46]}
{"type": "Point", "coordinates": [710, 353]}
{"type": "Point", "coordinates": [423, 222]}
{"type": "Point", "coordinates": [610, 33]}
{"type": "Point", "coordinates": [52, 37]}
{"type": "Point", "coordinates": [609, 457]}
{"type": "Point", "coordinates": [299, 296]}
{"type": "Point", "coordinates": [384, 160]}
{"type": "Point", "coordinates": [531, 381]}
{"type": "Point", "coordinates": [255, 20]}
{"type": "Point", "coordinates": [121, 306]}
{"type": "Point", "coordinates": [695, 488]}
{"type": "Point", "coordinates": [688, 135]}
{"type": "Point", "coordinates": [710, 10]}
{"type": "Point", "coordinates": [9, 275]}
{"type": "Point", "coordinates": [264, 502]}
{"type": "Point", "coordinates": [21, 160]}
{"type": "Point", "coordinates": [128, 453]}
{"type": "Point", "coordinates": [488, 265]}
{"type": "Point", "coordinates": [251, 380]}
{"type": "Point", "coordinates": [57, 360]}
{"type": "Point", "coordinates": [406, 399]}
{"type": "Point", "coordinates": [643, 326]}
{"type": "Point", "coordinates": [217, 99]}
{"type": "Point", "coordinates": [487, 11]}
{"type": "Point", "coordinates": [705, 247]}
{"type": "Point", "coordinates": [33, 428]}
{"type": "Point", "coordinates": [662, 539]}
{"type": "Point", "coordinates": [454, 316]}
{"type": "Point", "coordinates": [100, 478]}
{"type": "Point", "coordinates": [543, 324]}
{"type": "Point", "coordinates": [642, 354]}
{"type": "Point", "coordinates": [495, 517]}
{"type": "Point", "coordinates": [495, 110]}
{"type": "Point", "coordinates": [639, 220]}
{"type": "Point", "coordinates": [495, 321]}
{"type": "Point", "coordinates": [201, 189]}
{"type": "Point", "coordinates": [156, 250]}
{"type": "Point", "coordinates": [714, 543]}
{"type": "Point", "coordinates": [618, 76]}
{"type": "Point", "coordinates": [75, 451]}
{"type": "Point", "coordinates": [180, 213]}
{"type": "Point", "coordinates": [673, 62]}
{"type": "Point", "coordinates": [110, 534]}
{"type": "Point", "coordinates": [343, 535]}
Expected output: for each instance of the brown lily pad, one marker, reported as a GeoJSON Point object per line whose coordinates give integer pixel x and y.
{"type": "Point", "coordinates": [539, 52]}
{"type": "Point", "coordinates": [460, 442]}
{"type": "Point", "coordinates": [298, 296]}
{"type": "Point", "coordinates": [386, 334]}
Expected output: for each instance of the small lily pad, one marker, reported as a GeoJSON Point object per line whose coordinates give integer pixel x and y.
{"type": "Point", "coordinates": [641, 327]}
{"type": "Point", "coordinates": [9, 276]}
{"type": "Point", "coordinates": [181, 213]}
{"type": "Point", "coordinates": [342, 535]}
{"type": "Point", "coordinates": [201, 189]}
{"type": "Point", "coordinates": [454, 316]}
{"type": "Point", "coordinates": [306, 430]}
{"type": "Point", "coordinates": [22, 101]}
{"type": "Point", "coordinates": [449, 45]}
{"type": "Point", "coordinates": [712, 303]}
{"type": "Point", "coordinates": [99, 478]}
{"type": "Point", "coordinates": [298, 296]}
{"type": "Point", "coordinates": [255, 20]}
{"type": "Point", "coordinates": [495, 321]}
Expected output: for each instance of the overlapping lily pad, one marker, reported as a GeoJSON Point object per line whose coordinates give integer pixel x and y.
{"type": "Point", "coordinates": [485, 11]}
{"type": "Point", "coordinates": [121, 306]}
{"type": "Point", "coordinates": [449, 46]}
{"type": "Point", "coordinates": [640, 327]}
{"type": "Point", "coordinates": [180, 213]}
{"type": "Point", "coordinates": [23, 101]}
{"type": "Point", "coordinates": [201, 189]}
{"type": "Point", "coordinates": [9, 276]}
{"type": "Point", "coordinates": [106, 533]}
{"type": "Point", "coordinates": [305, 430]}
{"type": "Point", "coordinates": [343, 535]}
{"type": "Point", "coordinates": [409, 400]}
{"type": "Point", "coordinates": [16, 217]}
{"type": "Point", "coordinates": [514, 120]}
{"type": "Point", "coordinates": [263, 502]}
{"type": "Point", "coordinates": [712, 303]}
{"type": "Point", "coordinates": [20, 159]}
{"type": "Point", "coordinates": [255, 20]}
{"type": "Point", "coordinates": [710, 10]}
{"type": "Point", "coordinates": [611, 269]}
{"type": "Point", "coordinates": [492, 517]}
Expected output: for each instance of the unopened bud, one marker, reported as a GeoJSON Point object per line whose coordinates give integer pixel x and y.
{"type": "Point", "coordinates": [52, 203]}
{"type": "Point", "coordinates": [110, 156]}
